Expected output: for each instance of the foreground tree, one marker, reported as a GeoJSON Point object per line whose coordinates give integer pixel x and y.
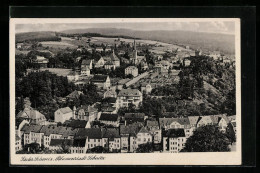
{"type": "Point", "coordinates": [145, 148]}
{"type": "Point", "coordinates": [207, 139]}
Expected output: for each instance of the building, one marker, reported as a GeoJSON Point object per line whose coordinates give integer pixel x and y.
{"type": "Point", "coordinates": [215, 55]}
{"type": "Point", "coordinates": [111, 139]}
{"type": "Point", "coordinates": [63, 114]}
{"type": "Point", "coordinates": [134, 58]}
{"type": "Point", "coordinates": [127, 96]}
{"type": "Point", "coordinates": [100, 63]}
{"type": "Point", "coordinates": [73, 76]}
{"type": "Point", "coordinates": [85, 71]}
{"type": "Point", "coordinates": [186, 62]}
{"type": "Point", "coordinates": [75, 124]}
{"type": "Point", "coordinates": [204, 121]}
{"type": "Point", "coordinates": [74, 95]}
{"type": "Point", "coordinates": [115, 59]}
{"type": "Point", "coordinates": [58, 144]}
{"type": "Point", "coordinates": [31, 134]}
{"type": "Point", "coordinates": [87, 113]}
{"type": "Point", "coordinates": [146, 88]}
{"type": "Point", "coordinates": [41, 61]}
{"type": "Point", "coordinates": [78, 146]}
{"type": "Point", "coordinates": [109, 65]}
{"type": "Point", "coordinates": [34, 117]}
{"type": "Point", "coordinates": [101, 81]}
{"type": "Point", "coordinates": [154, 129]}
{"type": "Point", "coordinates": [221, 121]}
{"type": "Point", "coordinates": [18, 143]}
{"type": "Point", "coordinates": [87, 64]}
{"type": "Point", "coordinates": [143, 136]}
{"type": "Point", "coordinates": [131, 70]}
{"type": "Point", "coordinates": [131, 118]}
{"type": "Point", "coordinates": [174, 140]}
{"type": "Point", "coordinates": [109, 119]}
{"type": "Point", "coordinates": [110, 93]}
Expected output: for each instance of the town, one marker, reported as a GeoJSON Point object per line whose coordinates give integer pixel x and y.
{"type": "Point", "coordinates": [86, 93]}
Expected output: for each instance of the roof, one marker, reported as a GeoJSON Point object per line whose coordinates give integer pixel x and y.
{"type": "Point", "coordinates": [108, 117]}
{"type": "Point", "coordinates": [193, 120]}
{"type": "Point", "coordinates": [175, 133]}
{"type": "Point", "coordinates": [86, 62]}
{"type": "Point", "coordinates": [108, 108]}
{"type": "Point", "coordinates": [114, 57]}
{"type": "Point", "coordinates": [106, 58]}
{"type": "Point", "coordinates": [151, 123]}
{"type": "Point", "coordinates": [129, 92]}
{"type": "Point", "coordinates": [109, 100]}
{"type": "Point", "coordinates": [86, 108]}
{"type": "Point", "coordinates": [84, 69]}
{"type": "Point", "coordinates": [134, 116]}
{"type": "Point", "coordinates": [143, 130]}
{"type": "Point", "coordinates": [167, 121]}
{"type": "Point", "coordinates": [131, 129]}
{"type": "Point", "coordinates": [234, 124]}
{"type": "Point", "coordinates": [216, 118]}
{"type": "Point", "coordinates": [110, 133]}
{"type": "Point", "coordinates": [132, 67]}
{"type": "Point", "coordinates": [59, 142]}
{"type": "Point", "coordinates": [110, 92]}
{"type": "Point", "coordinates": [99, 78]}
{"type": "Point", "coordinates": [74, 95]}
{"type": "Point", "coordinates": [232, 118]}
{"type": "Point", "coordinates": [65, 110]}
{"type": "Point", "coordinates": [76, 123]}
{"type": "Point", "coordinates": [93, 133]}
{"type": "Point", "coordinates": [59, 130]}
{"type": "Point", "coordinates": [109, 63]}
{"type": "Point", "coordinates": [30, 113]}
{"type": "Point", "coordinates": [31, 128]}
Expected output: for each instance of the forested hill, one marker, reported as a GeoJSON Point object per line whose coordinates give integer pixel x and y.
{"type": "Point", "coordinates": [36, 36]}
{"type": "Point", "coordinates": [209, 41]}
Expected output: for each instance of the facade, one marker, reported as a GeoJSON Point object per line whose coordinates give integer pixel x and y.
{"type": "Point", "coordinates": [109, 119]}
{"type": "Point", "coordinates": [127, 96]}
{"type": "Point", "coordinates": [87, 113]}
{"type": "Point", "coordinates": [87, 64]}
{"type": "Point", "coordinates": [109, 65]}
{"type": "Point", "coordinates": [41, 61]}
{"type": "Point", "coordinates": [186, 62]}
{"type": "Point", "coordinates": [18, 143]}
{"type": "Point", "coordinates": [100, 63]}
{"type": "Point", "coordinates": [131, 70]}
{"type": "Point", "coordinates": [101, 81]}
{"type": "Point", "coordinates": [111, 139]}
{"type": "Point", "coordinates": [85, 71]}
{"type": "Point", "coordinates": [110, 93]}
{"type": "Point", "coordinates": [31, 134]}
{"type": "Point", "coordinates": [32, 116]}
{"type": "Point", "coordinates": [146, 88]}
{"type": "Point", "coordinates": [63, 114]}
{"type": "Point", "coordinates": [174, 140]}
{"type": "Point", "coordinates": [154, 128]}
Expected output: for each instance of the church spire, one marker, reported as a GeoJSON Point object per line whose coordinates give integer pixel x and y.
{"type": "Point", "coordinates": [134, 45]}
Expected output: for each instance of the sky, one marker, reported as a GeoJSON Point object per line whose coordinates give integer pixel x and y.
{"type": "Point", "coordinates": [227, 27]}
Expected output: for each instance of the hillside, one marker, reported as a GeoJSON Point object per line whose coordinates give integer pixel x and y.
{"type": "Point", "coordinates": [36, 36]}
{"type": "Point", "coordinates": [205, 41]}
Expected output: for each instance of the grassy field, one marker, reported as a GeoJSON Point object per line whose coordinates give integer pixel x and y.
{"type": "Point", "coordinates": [56, 44]}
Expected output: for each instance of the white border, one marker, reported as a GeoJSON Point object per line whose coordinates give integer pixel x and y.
{"type": "Point", "coordinates": [220, 158]}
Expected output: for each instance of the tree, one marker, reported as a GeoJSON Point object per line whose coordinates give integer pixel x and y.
{"type": "Point", "coordinates": [145, 148]}
{"type": "Point", "coordinates": [231, 133]}
{"type": "Point", "coordinates": [207, 139]}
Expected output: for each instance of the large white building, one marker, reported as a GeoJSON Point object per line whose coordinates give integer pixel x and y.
{"type": "Point", "coordinates": [131, 70]}
{"type": "Point", "coordinates": [63, 114]}
{"type": "Point", "coordinates": [127, 96]}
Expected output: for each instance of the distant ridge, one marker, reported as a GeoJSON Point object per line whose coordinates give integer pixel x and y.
{"type": "Point", "coordinates": [203, 40]}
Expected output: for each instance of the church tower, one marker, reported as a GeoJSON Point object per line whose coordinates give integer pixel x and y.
{"type": "Point", "coordinates": [135, 53]}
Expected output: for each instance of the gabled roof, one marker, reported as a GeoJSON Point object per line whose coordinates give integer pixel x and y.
{"type": "Point", "coordinates": [59, 142]}
{"type": "Point", "coordinates": [86, 62]}
{"type": "Point", "coordinates": [108, 117]}
{"type": "Point", "coordinates": [206, 119]}
{"type": "Point", "coordinates": [93, 133]}
{"type": "Point", "coordinates": [132, 67]}
{"type": "Point", "coordinates": [114, 57]}
{"type": "Point", "coordinates": [167, 121]}
{"type": "Point", "coordinates": [99, 78]}
{"type": "Point", "coordinates": [174, 133]}
{"type": "Point", "coordinates": [86, 108]}
{"type": "Point", "coordinates": [129, 92]}
{"type": "Point", "coordinates": [216, 118]}
{"type": "Point", "coordinates": [109, 63]}
{"type": "Point", "coordinates": [65, 110]}
{"type": "Point", "coordinates": [76, 123]}
{"type": "Point", "coordinates": [74, 95]}
{"type": "Point", "coordinates": [84, 69]}
{"type": "Point", "coordinates": [152, 123]}
{"type": "Point", "coordinates": [134, 116]}
{"type": "Point", "coordinates": [31, 114]}
{"type": "Point", "coordinates": [143, 130]}
{"type": "Point", "coordinates": [31, 128]}
{"type": "Point", "coordinates": [131, 129]}
{"type": "Point", "coordinates": [110, 133]}
{"type": "Point", "coordinates": [193, 120]}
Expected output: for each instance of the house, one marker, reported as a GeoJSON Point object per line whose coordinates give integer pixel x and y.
{"type": "Point", "coordinates": [32, 116]}
{"type": "Point", "coordinates": [73, 76]}
{"type": "Point", "coordinates": [143, 136]}
{"type": "Point", "coordinates": [215, 55]}
{"type": "Point", "coordinates": [110, 93]}
{"type": "Point", "coordinates": [131, 118]}
{"type": "Point", "coordinates": [204, 121]}
{"type": "Point", "coordinates": [19, 123]}
{"type": "Point", "coordinates": [154, 129]}
{"type": "Point", "coordinates": [127, 134]}
{"type": "Point", "coordinates": [78, 146]}
{"type": "Point", "coordinates": [87, 113]}
{"type": "Point", "coordinates": [176, 123]}
{"type": "Point", "coordinates": [63, 114]}
{"type": "Point", "coordinates": [101, 81]}
{"type": "Point", "coordinates": [115, 59]}
{"type": "Point", "coordinates": [57, 144]}
{"type": "Point", "coordinates": [221, 121]}
{"type": "Point", "coordinates": [18, 143]}
{"type": "Point", "coordinates": [186, 62]}
{"type": "Point", "coordinates": [85, 71]}
{"type": "Point", "coordinates": [193, 121]}
{"type": "Point", "coordinates": [87, 63]}
{"type": "Point", "coordinates": [111, 139]}
{"type": "Point", "coordinates": [127, 96]}
{"type": "Point", "coordinates": [174, 140]}
{"type": "Point", "coordinates": [134, 58]}
{"type": "Point", "coordinates": [146, 88]}
{"type": "Point", "coordinates": [109, 65]}
{"type": "Point", "coordinates": [92, 136]}
{"type": "Point", "coordinates": [41, 61]}
{"type": "Point", "coordinates": [126, 61]}
{"type": "Point", "coordinates": [19, 45]}
{"type": "Point", "coordinates": [74, 95]}
{"type": "Point", "coordinates": [109, 119]}
{"type": "Point", "coordinates": [100, 63]}
{"type": "Point", "coordinates": [31, 134]}
{"type": "Point", "coordinates": [75, 124]}
{"type": "Point", "coordinates": [131, 70]}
